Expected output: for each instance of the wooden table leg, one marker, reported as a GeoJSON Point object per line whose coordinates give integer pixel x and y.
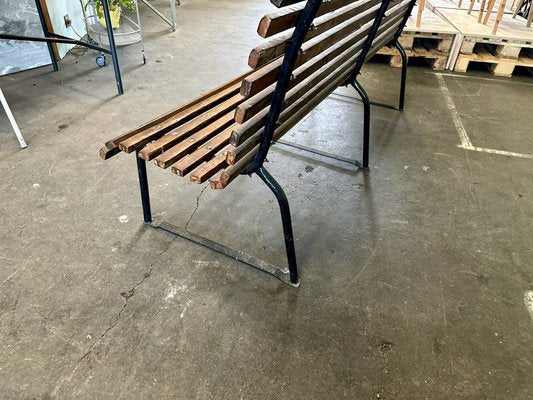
{"type": "Point", "coordinates": [421, 5]}
{"type": "Point", "coordinates": [499, 16]}
{"type": "Point", "coordinates": [481, 9]}
{"type": "Point", "coordinates": [472, 2]}
{"type": "Point", "coordinates": [518, 6]}
{"type": "Point", "coordinates": [489, 11]}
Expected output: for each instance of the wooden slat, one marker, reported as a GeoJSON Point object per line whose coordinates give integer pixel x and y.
{"type": "Point", "coordinates": [292, 115]}
{"type": "Point", "coordinates": [190, 161]}
{"type": "Point", "coordinates": [173, 154]}
{"type": "Point", "coordinates": [245, 140]}
{"type": "Point", "coordinates": [255, 109]}
{"type": "Point", "coordinates": [191, 119]}
{"type": "Point", "coordinates": [274, 48]}
{"type": "Point", "coordinates": [208, 169]}
{"type": "Point", "coordinates": [216, 180]}
{"type": "Point", "coordinates": [202, 124]}
{"type": "Point", "coordinates": [313, 70]}
{"type": "Point", "coordinates": [286, 18]}
{"type": "Point", "coordinates": [111, 147]}
{"type": "Point", "coordinates": [342, 35]}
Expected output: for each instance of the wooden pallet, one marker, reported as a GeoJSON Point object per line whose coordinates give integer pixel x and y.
{"type": "Point", "coordinates": [500, 65]}
{"type": "Point", "coordinates": [421, 49]}
{"type": "Point", "coordinates": [432, 41]}
{"type": "Point", "coordinates": [476, 41]}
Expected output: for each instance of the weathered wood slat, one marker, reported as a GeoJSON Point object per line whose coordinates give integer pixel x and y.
{"type": "Point", "coordinates": [173, 154]}
{"type": "Point", "coordinates": [342, 36]}
{"type": "Point", "coordinates": [222, 92]}
{"type": "Point", "coordinates": [208, 169]}
{"type": "Point", "coordinates": [286, 18]}
{"type": "Point", "coordinates": [274, 48]}
{"type": "Point", "coordinates": [187, 127]}
{"type": "Point", "coordinates": [246, 141]}
{"type": "Point", "coordinates": [314, 70]}
{"type": "Point", "coordinates": [190, 161]}
{"type": "Point", "coordinates": [180, 134]}
{"type": "Point", "coordinates": [255, 109]}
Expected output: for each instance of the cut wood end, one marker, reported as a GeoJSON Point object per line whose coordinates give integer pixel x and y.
{"type": "Point", "coordinates": [230, 158]}
{"type": "Point", "coordinates": [253, 58]}
{"type": "Point", "coordinates": [177, 170]}
{"type": "Point", "coordinates": [144, 155]}
{"type": "Point", "coordinates": [106, 153]}
{"type": "Point", "coordinates": [125, 148]}
{"type": "Point", "coordinates": [160, 164]}
{"type": "Point", "coordinates": [240, 114]}
{"type": "Point", "coordinates": [263, 27]}
{"type": "Point", "coordinates": [246, 88]}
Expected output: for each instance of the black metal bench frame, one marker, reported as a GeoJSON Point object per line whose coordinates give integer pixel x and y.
{"type": "Point", "coordinates": [288, 275]}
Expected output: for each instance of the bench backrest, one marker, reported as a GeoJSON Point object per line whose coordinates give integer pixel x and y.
{"type": "Point", "coordinates": [312, 47]}
{"type": "Point", "coordinates": [323, 45]}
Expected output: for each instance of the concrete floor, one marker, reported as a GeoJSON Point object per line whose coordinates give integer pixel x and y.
{"type": "Point", "coordinates": [413, 274]}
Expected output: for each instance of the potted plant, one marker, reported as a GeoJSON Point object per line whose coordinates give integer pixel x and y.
{"type": "Point", "coordinates": [115, 10]}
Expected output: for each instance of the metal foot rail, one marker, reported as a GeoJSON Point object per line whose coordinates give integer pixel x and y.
{"type": "Point", "coordinates": [287, 275]}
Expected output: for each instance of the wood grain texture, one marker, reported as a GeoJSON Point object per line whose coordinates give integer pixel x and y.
{"type": "Point", "coordinates": [203, 153]}
{"type": "Point", "coordinates": [216, 95]}
{"type": "Point", "coordinates": [274, 23]}
{"type": "Point", "coordinates": [208, 169]}
{"type": "Point", "coordinates": [343, 35]}
{"type": "Point", "coordinates": [274, 48]}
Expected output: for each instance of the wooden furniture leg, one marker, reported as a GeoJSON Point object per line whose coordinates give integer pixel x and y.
{"type": "Point", "coordinates": [472, 2]}
{"type": "Point", "coordinates": [489, 11]}
{"type": "Point", "coordinates": [481, 9]}
{"type": "Point", "coordinates": [499, 16]}
{"type": "Point", "coordinates": [518, 7]}
{"type": "Point", "coordinates": [421, 5]}
{"type": "Point", "coordinates": [530, 15]}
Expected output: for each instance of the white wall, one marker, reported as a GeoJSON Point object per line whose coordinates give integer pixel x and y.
{"type": "Point", "coordinates": [57, 10]}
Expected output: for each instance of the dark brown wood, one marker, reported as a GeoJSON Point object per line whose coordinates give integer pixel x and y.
{"type": "Point", "coordinates": [184, 132]}
{"type": "Point", "coordinates": [342, 36]}
{"type": "Point", "coordinates": [252, 112]}
{"type": "Point", "coordinates": [208, 169]}
{"type": "Point", "coordinates": [173, 154]}
{"type": "Point", "coordinates": [198, 105]}
{"type": "Point", "coordinates": [288, 118]}
{"type": "Point", "coordinates": [190, 161]}
{"type": "Point", "coordinates": [182, 122]}
{"type": "Point", "coordinates": [233, 171]}
{"type": "Point", "coordinates": [215, 180]}
{"type": "Point", "coordinates": [274, 48]}
{"type": "Point", "coordinates": [312, 73]}
{"type": "Point", "coordinates": [274, 23]}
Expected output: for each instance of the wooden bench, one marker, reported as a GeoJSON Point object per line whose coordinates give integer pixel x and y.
{"type": "Point", "coordinates": [313, 47]}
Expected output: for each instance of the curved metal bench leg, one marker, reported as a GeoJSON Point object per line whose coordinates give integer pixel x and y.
{"type": "Point", "coordinates": [285, 219]}
{"type": "Point", "coordinates": [404, 73]}
{"type": "Point", "coordinates": [366, 122]}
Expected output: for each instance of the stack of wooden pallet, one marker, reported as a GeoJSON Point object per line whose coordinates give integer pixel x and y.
{"type": "Point", "coordinates": [217, 135]}
{"type": "Point", "coordinates": [510, 47]}
{"type": "Point", "coordinates": [432, 40]}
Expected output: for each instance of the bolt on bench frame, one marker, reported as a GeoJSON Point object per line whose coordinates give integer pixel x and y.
{"type": "Point", "coordinates": [287, 275]}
